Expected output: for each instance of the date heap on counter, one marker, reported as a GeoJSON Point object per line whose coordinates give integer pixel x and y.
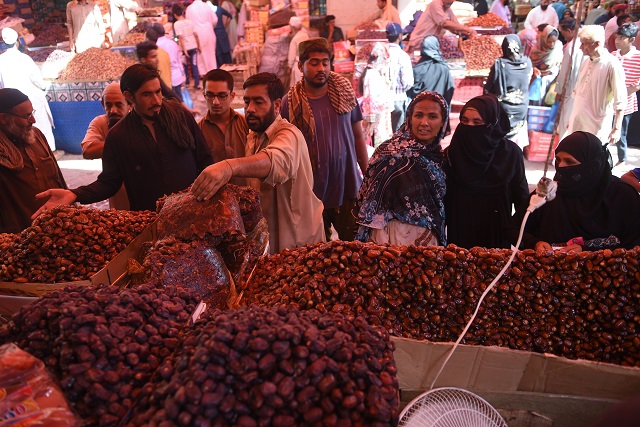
{"type": "Point", "coordinates": [577, 305]}
{"type": "Point", "coordinates": [480, 52]}
{"type": "Point", "coordinates": [68, 244]}
{"type": "Point", "coordinates": [283, 367]}
{"type": "Point", "coordinates": [102, 343]}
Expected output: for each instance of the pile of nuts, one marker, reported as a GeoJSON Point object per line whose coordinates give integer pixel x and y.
{"type": "Point", "coordinates": [69, 244]}
{"type": "Point", "coordinates": [253, 366]}
{"type": "Point", "coordinates": [481, 52]}
{"type": "Point", "coordinates": [131, 39]}
{"type": "Point", "coordinates": [103, 343]}
{"type": "Point", "coordinates": [96, 64]}
{"type": "Point", "coordinates": [577, 305]}
{"type": "Point", "coordinates": [487, 20]}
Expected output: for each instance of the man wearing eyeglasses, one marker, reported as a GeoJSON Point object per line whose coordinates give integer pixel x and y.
{"type": "Point", "coordinates": [27, 165]}
{"type": "Point", "coordinates": [224, 129]}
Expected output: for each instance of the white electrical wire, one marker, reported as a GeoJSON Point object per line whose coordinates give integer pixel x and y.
{"type": "Point", "coordinates": [486, 291]}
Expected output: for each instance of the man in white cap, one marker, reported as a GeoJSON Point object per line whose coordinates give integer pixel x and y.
{"type": "Point", "coordinates": [115, 107]}
{"type": "Point", "coordinates": [298, 34]}
{"type": "Point", "coordinates": [18, 71]}
{"type": "Point", "coordinates": [27, 165]}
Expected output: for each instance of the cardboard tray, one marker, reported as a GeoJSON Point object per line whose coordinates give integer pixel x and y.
{"type": "Point", "coordinates": [15, 295]}
{"type": "Point", "coordinates": [571, 392]}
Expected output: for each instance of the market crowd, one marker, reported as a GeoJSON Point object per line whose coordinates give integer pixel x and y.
{"type": "Point", "coordinates": [305, 148]}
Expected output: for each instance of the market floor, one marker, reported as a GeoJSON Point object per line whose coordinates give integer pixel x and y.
{"type": "Point", "coordinates": [78, 171]}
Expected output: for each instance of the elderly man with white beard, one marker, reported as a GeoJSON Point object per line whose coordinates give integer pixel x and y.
{"type": "Point", "coordinates": [27, 165]}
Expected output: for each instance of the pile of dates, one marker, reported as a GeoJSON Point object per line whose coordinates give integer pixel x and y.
{"type": "Point", "coordinates": [283, 367]}
{"type": "Point", "coordinates": [68, 244]}
{"type": "Point", "coordinates": [577, 305]}
{"type": "Point", "coordinates": [102, 343]}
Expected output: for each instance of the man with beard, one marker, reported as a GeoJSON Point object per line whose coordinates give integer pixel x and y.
{"type": "Point", "coordinates": [541, 14]}
{"type": "Point", "coordinates": [276, 164]}
{"type": "Point", "coordinates": [92, 145]}
{"type": "Point", "coordinates": [224, 129]}
{"type": "Point", "coordinates": [323, 106]}
{"type": "Point", "coordinates": [27, 165]}
{"type": "Point", "coordinates": [156, 149]}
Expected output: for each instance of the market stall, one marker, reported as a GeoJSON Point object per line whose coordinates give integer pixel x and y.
{"type": "Point", "coordinates": [557, 335]}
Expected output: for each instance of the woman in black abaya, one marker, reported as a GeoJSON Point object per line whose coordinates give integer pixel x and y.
{"type": "Point", "coordinates": [485, 176]}
{"type": "Point", "coordinates": [509, 80]}
{"type": "Point", "coordinates": [431, 73]}
{"type": "Point", "coordinates": [592, 210]}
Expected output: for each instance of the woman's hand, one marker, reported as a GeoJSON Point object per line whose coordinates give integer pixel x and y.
{"type": "Point", "coordinates": [536, 73]}
{"type": "Point", "coordinates": [543, 247]}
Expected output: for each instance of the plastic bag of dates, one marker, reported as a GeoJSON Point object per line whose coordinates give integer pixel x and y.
{"type": "Point", "coordinates": [192, 265]}
{"type": "Point", "coordinates": [282, 367]}
{"type": "Point", "coordinates": [216, 220]}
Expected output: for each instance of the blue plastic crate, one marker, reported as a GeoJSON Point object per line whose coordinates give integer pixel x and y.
{"type": "Point", "coordinates": [71, 121]}
{"type": "Point", "coordinates": [539, 111]}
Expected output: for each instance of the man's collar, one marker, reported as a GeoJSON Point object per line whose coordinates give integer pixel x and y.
{"type": "Point", "coordinates": [209, 117]}
{"type": "Point", "coordinates": [270, 130]}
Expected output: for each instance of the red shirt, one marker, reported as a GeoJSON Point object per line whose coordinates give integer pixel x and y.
{"type": "Point", "coordinates": [631, 65]}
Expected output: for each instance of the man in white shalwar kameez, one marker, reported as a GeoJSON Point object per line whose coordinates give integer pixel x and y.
{"type": "Point", "coordinates": [18, 71]}
{"type": "Point", "coordinates": [600, 96]}
{"type": "Point", "coordinates": [566, 80]}
{"type": "Point", "coordinates": [119, 22]}
{"type": "Point", "coordinates": [299, 35]}
{"type": "Point", "coordinates": [204, 19]}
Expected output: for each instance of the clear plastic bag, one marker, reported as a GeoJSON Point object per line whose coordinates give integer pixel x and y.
{"type": "Point", "coordinates": [28, 395]}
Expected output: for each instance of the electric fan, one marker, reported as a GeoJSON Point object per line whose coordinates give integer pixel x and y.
{"type": "Point", "coordinates": [450, 407]}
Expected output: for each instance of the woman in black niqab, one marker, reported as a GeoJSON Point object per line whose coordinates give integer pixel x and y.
{"type": "Point", "coordinates": [509, 80]}
{"type": "Point", "coordinates": [485, 177]}
{"type": "Point", "coordinates": [592, 210]}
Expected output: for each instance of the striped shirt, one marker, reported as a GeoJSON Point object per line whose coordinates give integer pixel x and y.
{"type": "Point", "coordinates": [631, 65]}
{"type": "Point", "coordinates": [401, 71]}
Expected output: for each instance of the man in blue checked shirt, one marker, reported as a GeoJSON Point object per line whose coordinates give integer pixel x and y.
{"type": "Point", "coordinates": [401, 74]}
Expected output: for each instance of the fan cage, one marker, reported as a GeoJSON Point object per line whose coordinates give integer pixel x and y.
{"type": "Point", "coordinates": [450, 407]}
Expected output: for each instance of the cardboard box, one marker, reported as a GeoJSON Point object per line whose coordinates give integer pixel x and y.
{"type": "Point", "coordinates": [15, 295]}
{"type": "Point", "coordinates": [258, 3]}
{"type": "Point", "coordinates": [571, 389]}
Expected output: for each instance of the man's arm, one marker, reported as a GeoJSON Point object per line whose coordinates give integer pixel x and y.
{"type": "Point", "coordinates": [215, 176]}
{"type": "Point", "coordinates": [93, 143]}
{"type": "Point", "coordinates": [70, 27]}
{"type": "Point", "coordinates": [361, 146]}
{"type": "Point", "coordinates": [619, 100]}
{"type": "Point", "coordinates": [458, 28]}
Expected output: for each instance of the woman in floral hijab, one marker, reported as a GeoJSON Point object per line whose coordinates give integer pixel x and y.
{"type": "Point", "coordinates": [401, 198]}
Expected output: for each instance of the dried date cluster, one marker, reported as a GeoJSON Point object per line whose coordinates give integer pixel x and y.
{"type": "Point", "coordinates": [96, 64]}
{"type": "Point", "coordinates": [141, 27]}
{"type": "Point", "coordinates": [40, 55]}
{"type": "Point", "coordinates": [449, 48]}
{"type": "Point", "coordinates": [258, 367]}
{"type": "Point", "coordinates": [69, 244]}
{"type": "Point", "coordinates": [131, 39]}
{"type": "Point", "coordinates": [584, 305]}
{"type": "Point", "coordinates": [49, 35]}
{"type": "Point", "coordinates": [481, 52]}
{"type": "Point", "coordinates": [487, 20]}
{"type": "Point", "coordinates": [103, 343]}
